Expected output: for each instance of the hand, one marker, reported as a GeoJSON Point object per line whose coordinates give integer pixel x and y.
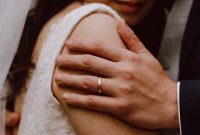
{"type": "Point", "coordinates": [12, 120]}
{"type": "Point", "coordinates": [135, 86]}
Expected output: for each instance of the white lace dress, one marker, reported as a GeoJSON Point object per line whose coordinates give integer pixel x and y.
{"type": "Point", "coordinates": [41, 113]}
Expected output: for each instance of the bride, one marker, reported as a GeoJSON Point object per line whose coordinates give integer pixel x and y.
{"type": "Point", "coordinates": [33, 69]}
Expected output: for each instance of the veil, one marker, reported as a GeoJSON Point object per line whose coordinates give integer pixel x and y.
{"type": "Point", "coordinates": [13, 14]}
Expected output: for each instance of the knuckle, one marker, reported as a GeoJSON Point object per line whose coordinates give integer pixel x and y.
{"type": "Point", "coordinates": [124, 89]}
{"type": "Point", "coordinates": [91, 102]}
{"type": "Point", "coordinates": [87, 61]}
{"type": "Point", "coordinates": [87, 83]}
{"type": "Point", "coordinates": [134, 57]}
{"type": "Point", "coordinates": [127, 73]}
{"type": "Point", "coordinates": [97, 45]}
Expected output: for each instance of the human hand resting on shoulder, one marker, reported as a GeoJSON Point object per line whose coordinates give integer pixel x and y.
{"type": "Point", "coordinates": [129, 83]}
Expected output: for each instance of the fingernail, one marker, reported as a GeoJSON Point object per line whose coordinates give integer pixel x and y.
{"type": "Point", "coordinates": [65, 96]}
{"type": "Point", "coordinates": [69, 43]}
{"type": "Point", "coordinates": [58, 59]}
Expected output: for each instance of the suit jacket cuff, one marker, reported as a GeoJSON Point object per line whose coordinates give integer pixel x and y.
{"type": "Point", "coordinates": [189, 103]}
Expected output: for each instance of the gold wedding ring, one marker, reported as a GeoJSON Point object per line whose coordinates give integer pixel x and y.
{"type": "Point", "coordinates": [99, 85]}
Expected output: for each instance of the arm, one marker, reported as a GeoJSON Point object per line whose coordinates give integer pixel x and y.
{"type": "Point", "coordinates": [136, 82]}
{"type": "Point", "coordinates": [101, 27]}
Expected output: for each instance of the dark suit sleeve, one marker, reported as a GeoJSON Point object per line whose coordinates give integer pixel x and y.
{"type": "Point", "coordinates": [190, 107]}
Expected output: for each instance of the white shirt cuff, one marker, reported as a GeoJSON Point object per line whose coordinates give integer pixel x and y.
{"type": "Point", "coordinates": [178, 100]}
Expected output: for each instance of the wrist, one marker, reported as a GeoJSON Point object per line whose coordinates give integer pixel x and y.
{"type": "Point", "coordinates": [171, 107]}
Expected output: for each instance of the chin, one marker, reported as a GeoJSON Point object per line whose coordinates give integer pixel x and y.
{"type": "Point", "coordinates": [132, 21]}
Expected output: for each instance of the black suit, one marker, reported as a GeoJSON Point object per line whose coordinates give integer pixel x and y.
{"type": "Point", "coordinates": [190, 74]}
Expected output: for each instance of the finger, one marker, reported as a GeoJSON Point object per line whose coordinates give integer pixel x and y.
{"type": "Point", "coordinates": [8, 131]}
{"type": "Point", "coordinates": [86, 83]}
{"type": "Point", "coordinates": [98, 48]}
{"type": "Point", "coordinates": [131, 40]}
{"type": "Point", "coordinates": [87, 62]}
{"type": "Point", "coordinates": [97, 103]}
{"type": "Point", "coordinates": [12, 119]}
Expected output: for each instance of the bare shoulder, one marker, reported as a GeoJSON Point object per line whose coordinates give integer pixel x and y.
{"type": "Point", "coordinates": [98, 26]}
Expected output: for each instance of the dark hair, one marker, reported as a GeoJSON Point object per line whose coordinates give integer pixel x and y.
{"type": "Point", "coordinates": [37, 17]}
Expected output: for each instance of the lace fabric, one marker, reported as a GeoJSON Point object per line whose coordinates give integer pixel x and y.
{"type": "Point", "coordinates": [42, 114]}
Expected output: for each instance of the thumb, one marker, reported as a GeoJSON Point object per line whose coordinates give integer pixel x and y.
{"type": "Point", "coordinates": [130, 39]}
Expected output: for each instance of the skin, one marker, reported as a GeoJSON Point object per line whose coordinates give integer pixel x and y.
{"type": "Point", "coordinates": [86, 122]}
{"type": "Point", "coordinates": [132, 16]}
{"type": "Point", "coordinates": [135, 86]}
{"type": "Point", "coordinates": [133, 80]}
{"type": "Point", "coordinates": [12, 120]}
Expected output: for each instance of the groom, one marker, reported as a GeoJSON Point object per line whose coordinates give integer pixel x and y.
{"type": "Point", "coordinates": [158, 102]}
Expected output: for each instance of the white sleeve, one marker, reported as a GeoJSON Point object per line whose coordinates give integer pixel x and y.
{"type": "Point", "coordinates": [178, 100]}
